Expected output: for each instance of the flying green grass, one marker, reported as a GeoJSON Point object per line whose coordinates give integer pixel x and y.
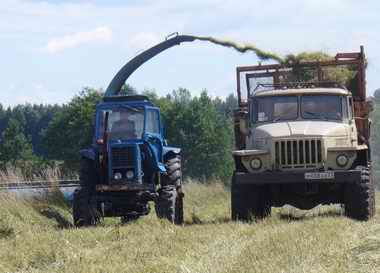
{"type": "Point", "coordinates": [35, 236]}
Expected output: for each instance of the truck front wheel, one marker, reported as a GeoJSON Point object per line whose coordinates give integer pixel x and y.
{"type": "Point", "coordinates": [249, 202]}
{"type": "Point", "coordinates": [359, 197]}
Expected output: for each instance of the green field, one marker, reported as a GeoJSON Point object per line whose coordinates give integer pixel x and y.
{"type": "Point", "coordinates": [321, 240]}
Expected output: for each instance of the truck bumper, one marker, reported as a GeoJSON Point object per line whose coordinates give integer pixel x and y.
{"type": "Point", "coordinates": [264, 178]}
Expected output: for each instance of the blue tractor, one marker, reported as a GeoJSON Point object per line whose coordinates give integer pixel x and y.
{"type": "Point", "coordinates": [129, 162]}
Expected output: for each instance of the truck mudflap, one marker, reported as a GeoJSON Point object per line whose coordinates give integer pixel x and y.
{"type": "Point", "coordinates": [289, 177]}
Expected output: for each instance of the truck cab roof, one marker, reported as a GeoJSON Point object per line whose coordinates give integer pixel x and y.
{"type": "Point", "coordinates": [302, 91]}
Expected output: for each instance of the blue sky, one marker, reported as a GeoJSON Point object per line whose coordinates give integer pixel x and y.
{"type": "Point", "coordinates": [50, 50]}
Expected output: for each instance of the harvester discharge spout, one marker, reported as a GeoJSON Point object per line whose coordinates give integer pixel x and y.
{"type": "Point", "coordinates": [130, 67]}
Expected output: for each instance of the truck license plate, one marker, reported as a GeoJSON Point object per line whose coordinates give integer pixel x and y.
{"type": "Point", "coordinates": [321, 175]}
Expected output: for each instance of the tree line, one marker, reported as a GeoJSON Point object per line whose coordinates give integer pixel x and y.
{"type": "Point", "coordinates": [34, 137]}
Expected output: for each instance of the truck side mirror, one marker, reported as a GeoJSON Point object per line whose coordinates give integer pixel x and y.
{"type": "Point", "coordinates": [242, 117]}
{"type": "Point", "coordinates": [370, 106]}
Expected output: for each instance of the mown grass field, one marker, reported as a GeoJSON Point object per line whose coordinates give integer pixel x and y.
{"type": "Point", "coordinates": [321, 240]}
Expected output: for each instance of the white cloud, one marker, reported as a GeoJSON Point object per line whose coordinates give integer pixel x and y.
{"type": "Point", "coordinates": [100, 34]}
{"type": "Point", "coordinates": [281, 26]}
{"type": "Point", "coordinates": [144, 40]}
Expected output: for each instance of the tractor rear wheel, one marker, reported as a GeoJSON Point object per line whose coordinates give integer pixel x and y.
{"type": "Point", "coordinates": [85, 213]}
{"type": "Point", "coordinates": [169, 204]}
{"type": "Point", "coordinates": [359, 197]}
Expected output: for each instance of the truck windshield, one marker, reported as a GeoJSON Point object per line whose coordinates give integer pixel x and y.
{"type": "Point", "coordinates": [123, 123]}
{"type": "Point", "coordinates": [324, 107]}
{"type": "Point", "coordinates": [276, 108]}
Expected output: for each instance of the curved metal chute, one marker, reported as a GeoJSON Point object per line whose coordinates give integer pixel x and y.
{"type": "Point", "coordinates": [120, 78]}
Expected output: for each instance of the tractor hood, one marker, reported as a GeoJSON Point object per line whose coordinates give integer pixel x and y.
{"type": "Point", "coordinates": [301, 129]}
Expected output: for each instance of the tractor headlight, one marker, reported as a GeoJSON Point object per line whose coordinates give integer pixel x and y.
{"type": "Point", "coordinates": [341, 160]}
{"type": "Point", "coordinates": [130, 174]}
{"type": "Point", "coordinates": [256, 163]}
{"type": "Point", "coordinates": [117, 176]}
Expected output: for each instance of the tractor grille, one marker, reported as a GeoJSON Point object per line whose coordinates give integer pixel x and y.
{"type": "Point", "coordinates": [123, 157]}
{"type": "Point", "coordinates": [298, 153]}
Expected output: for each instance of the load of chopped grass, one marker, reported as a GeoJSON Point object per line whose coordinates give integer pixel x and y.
{"type": "Point", "coordinates": [342, 75]}
{"type": "Point", "coordinates": [243, 48]}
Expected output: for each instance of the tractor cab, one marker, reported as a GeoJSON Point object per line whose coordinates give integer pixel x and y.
{"type": "Point", "coordinates": [128, 129]}
{"type": "Point", "coordinates": [129, 163]}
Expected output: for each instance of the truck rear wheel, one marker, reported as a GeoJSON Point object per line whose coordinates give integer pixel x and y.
{"type": "Point", "coordinates": [249, 202]}
{"type": "Point", "coordinates": [170, 200]}
{"type": "Point", "coordinates": [359, 197]}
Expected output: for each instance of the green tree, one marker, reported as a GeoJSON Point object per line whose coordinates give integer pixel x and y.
{"type": "Point", "coordinates": [72, 128]}
{"type": "Point", "coordinates": [15, 147]}
{"type": "Point", "coordinates": [127, 89]}
{"type": "Point", "coordinates": [195, 125]}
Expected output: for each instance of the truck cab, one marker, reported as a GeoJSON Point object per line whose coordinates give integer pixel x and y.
{"type": "Point", "coordinates": [302, 143]}
{"type": "Point", "coordinates": [300, 129]}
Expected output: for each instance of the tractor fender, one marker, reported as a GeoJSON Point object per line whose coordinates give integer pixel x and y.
{"type": "Point", "coordinates": [170, 151]}
{"type": "Point", "coordinates": [88, 154]}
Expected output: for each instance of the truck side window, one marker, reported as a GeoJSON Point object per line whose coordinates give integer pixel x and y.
{"type": "Point", "coordinates": [345, 113]}
{"type": "Point", "coordinates": [350, 109]}
{"type": "Point", "coordinates": [252, 111]}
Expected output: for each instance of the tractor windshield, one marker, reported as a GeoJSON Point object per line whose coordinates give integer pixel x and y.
{"type": "Point", "coordinates": [124, 123]}
{"type": "Point", "coordinates": [127, 123]}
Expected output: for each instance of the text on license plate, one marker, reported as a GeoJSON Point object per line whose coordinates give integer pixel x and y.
{"type": "Point", "coordinates": [321, 175]}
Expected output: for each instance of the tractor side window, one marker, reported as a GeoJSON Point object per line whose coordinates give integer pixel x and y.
{"type": "Point", "coordinates": [152, 122]}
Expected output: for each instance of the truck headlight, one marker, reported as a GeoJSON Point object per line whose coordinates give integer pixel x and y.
{"type": "Point", "coordinates": [341, 160]}
{"type": "Point", "coordinates": [256, 163]}
{"type": "Point", "coordinates": [117, 176]}
{"type": "Point", "coordinates": [130, 174]}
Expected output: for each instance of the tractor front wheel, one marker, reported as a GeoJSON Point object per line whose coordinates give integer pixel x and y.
{"type": "Point", "coordinates": [169, 204]}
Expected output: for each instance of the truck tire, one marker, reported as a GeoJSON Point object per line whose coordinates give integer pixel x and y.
{"type": "Point", "coordinates": [84, 213]}
{"type": "Point", "coordinates": [359, 197]}
{"type": "Point", "coordinates": [169, 204]}
{"type": "Point", "coordinates": [249, 202]}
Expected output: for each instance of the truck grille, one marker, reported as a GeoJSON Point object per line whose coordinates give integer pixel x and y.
{"type": "Point", "coordinates": [123, 157]}
{"type": "Point", "coordinates": [298, 153]}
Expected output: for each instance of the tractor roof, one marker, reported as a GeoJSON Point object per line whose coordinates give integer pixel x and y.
{"type": "Point", "coordinates": [130, 98]}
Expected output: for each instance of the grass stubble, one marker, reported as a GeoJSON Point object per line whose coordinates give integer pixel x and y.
{"type": "Point", "coordinates": [37, 236]}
